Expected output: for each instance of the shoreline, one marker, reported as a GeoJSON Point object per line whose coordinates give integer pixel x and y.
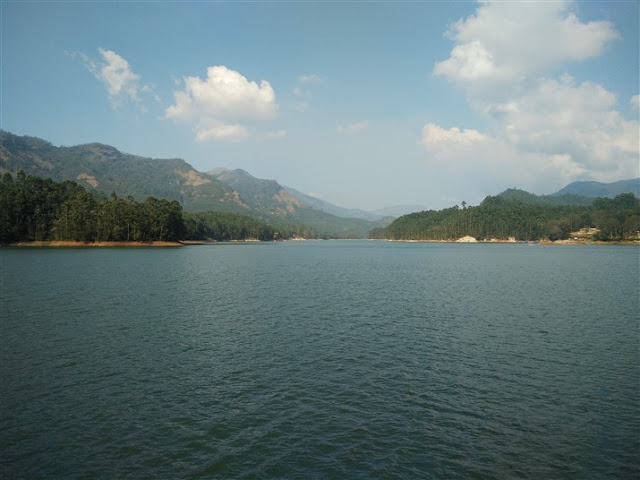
{"type": "Point", "coordinates": [123, 244]}
{"type": "Point", "coordinates": [532, 242]}
{"type": "Point", "coordinates": [184, 243]}
{"type": "Point", "coordinates": [76, 244]}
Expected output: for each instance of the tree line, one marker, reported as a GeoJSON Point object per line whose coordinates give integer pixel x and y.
{"type": "Point", "coordinates": [499, 218]}
{"type": "Point", "coordinates": [35, 209]}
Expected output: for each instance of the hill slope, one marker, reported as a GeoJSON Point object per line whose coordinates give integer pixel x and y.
{"type": "Point", "coordinates": [105, 169]}
{"type": "Point", "coordinates": [508, 218]}
{"type": "Point", "coordinates": [273, 200]}
{"type": "Point", "coordinates": [522, 196]}
{"type": "Point", "coordinates": [334, 209]}
{"type": "Point", "coordinates": [597, 189]}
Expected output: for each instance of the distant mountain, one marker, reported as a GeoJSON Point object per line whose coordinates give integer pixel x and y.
{"type": "Point", "coordinates": [259, 193]}
{"type": "Point", "coordinates": [271, 196]}
{"type": "Point", "coordinates": [105, 169]}
{"type": "Point", "coordinates": [597, 189]}
{"type": "Point", "coordinates": [334, 209]}
{"type": "Point", "coordinates": [521, 196]}
{"type": "Point", "coordinates": [399, 210]}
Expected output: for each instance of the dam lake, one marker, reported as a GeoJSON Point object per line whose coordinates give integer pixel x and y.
{"type": "Point", "coordinates": [321, 360]}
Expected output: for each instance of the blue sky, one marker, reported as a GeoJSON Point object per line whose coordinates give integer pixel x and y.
{"type": "Point", "coordinates": [363, 104]}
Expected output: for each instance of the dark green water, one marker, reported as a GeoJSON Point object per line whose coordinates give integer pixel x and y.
{"type": "Point", "coordinates": [314, 360]}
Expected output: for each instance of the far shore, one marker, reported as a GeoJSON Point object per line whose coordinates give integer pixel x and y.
{"type": "Point", "coordinates": [75, 244]}
{"type": "Point", "coordinates": [123, 244]}
{"type": "Point", "coordinates": [182, 243]}
{"type": "Point", "coordinates": [533, 242]}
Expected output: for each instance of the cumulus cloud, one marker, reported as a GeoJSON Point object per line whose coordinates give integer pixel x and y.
{"type": "Point", "coordinates": [488, 161]}
{"type": "Point", "coordinates": [506, 56]}
{"type": "Point", "coordinates": [353, 127]}
{"type": "Point", "coordinates": [221, 105]}
{"type": "Point", "coordinates": [635, 102]}
{"type": "Point", "coordinates": [435, 137]}
{"type": "Point", "coordinates": [115, 73]}
{"type": "Point", "coordinates": [507, 41]}
{"type": "Point", "coordinates": [565, 118]}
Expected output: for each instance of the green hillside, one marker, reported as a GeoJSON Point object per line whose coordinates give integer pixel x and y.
{"type": "Point", "coordinates": [501, 218]}
{"type": "Point", "coordinates": [104, 169]}
{"type": "Point", "coordinates": [33, 208]}
{"type": "Point", "coordinates": [521, 196]}
{"type": "Point", "coordinates": [598, 189]}
{"type": "Point", "coordinates": [276, 205]}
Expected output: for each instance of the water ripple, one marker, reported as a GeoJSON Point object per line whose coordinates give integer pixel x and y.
{"type": "Point", "coordinates": [320, 360]}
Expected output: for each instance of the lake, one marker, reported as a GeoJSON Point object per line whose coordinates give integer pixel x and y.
{"type": "Point", "coordinates": [321, 360]}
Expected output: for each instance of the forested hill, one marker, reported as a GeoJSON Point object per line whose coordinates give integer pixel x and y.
{"type": "Point", "coordinates": [500, 218]}
{"type": "Point", "coordinates": [598, 189]}
{"type": "Point", "coordinates": [103, 168]}
{"type": "Point", "coordinates": [36, 209]}
{"type": "Point", "coordinates": [521, 196]}
{"type": "Point", "coordinates": [576, 193]}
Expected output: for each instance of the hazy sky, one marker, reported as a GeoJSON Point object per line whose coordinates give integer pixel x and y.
{"type": "Point", "coordinates": [363, 104]}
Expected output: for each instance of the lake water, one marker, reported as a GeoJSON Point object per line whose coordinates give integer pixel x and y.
{"type": "Point", "coordinates": [321, 360]}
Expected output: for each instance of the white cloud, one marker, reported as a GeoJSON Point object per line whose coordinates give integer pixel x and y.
{"type": "Point", "coordinates": [115, 73]}
{"type": "Point", "coordinates": [559, 117]}
{"type": "Point", "coordinates": [488, 161]}
{"type": "Point", "coordinates": [435, 137]}
{"type": "Point", "coordinates": [310, 78]}
{"type": "Point", "coordinates": [221, 132]}
{"type": "Point", "coordinates": [635, 102]}
{"type": "Point", "coordinates": [224, 94]}
{"type": "Point", "coordinates": [539, 124]}
{"type": "Point", "coordinates": [118, 76]}
{"type": "Point", "coordinates": [353, 127]}
{"type": "Point", "coordinates": [150, 89]}
{"type": "Point", "coordinates": [226, 100]}
{"type": "Point", "coordinates": [508, 41]}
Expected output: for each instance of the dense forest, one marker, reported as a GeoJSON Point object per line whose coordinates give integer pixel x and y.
{"type": "Point", "coordinates": [35, 209]}
{"type": "Point", "coordinates": [500, 218]}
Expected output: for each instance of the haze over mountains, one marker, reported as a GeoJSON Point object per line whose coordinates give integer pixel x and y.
{"type": "Point", "coordinates": [105, 169]}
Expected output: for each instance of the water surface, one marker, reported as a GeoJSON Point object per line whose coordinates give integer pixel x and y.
{"type": "Point", "coordinates": [335, 359]}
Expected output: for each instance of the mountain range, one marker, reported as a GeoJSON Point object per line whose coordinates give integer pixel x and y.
{"type": "Point", "coordinates": [104, 169]}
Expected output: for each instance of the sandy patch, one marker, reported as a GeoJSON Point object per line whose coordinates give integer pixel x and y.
{"type": "Point", "coordinates": [90, 179]}
{"type": "Point", "coordinates": [193, 178]}
{"type": "Point", "coordinates": [466, 239]}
